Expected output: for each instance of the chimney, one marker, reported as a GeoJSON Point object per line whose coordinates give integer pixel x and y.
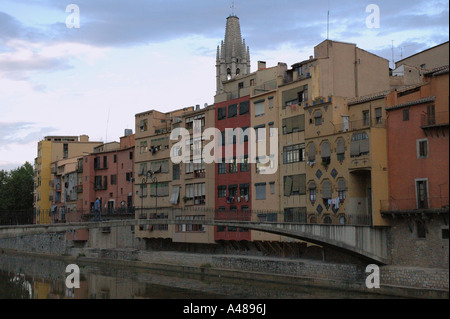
{"type": "Point", "coordinates": [197, 107]}
{"type": "Point", "coordinates": [261, 65]}
{"type": "Point", "coordinates": [310, 57]}
{"type": "Point", "coordinates": [84, 138]}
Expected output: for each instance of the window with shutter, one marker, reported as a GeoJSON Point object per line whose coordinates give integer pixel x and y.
{"type": "Point", "coordinates": [260, 191]}
{"type": "Point", "coordinates": [311, 152]}
{"type": "Point", "coordinates": [288, 185]}
{"type": "Point", "coordinates": [259, 108]}
{"type": "Point", "coordinates": [326, 190]}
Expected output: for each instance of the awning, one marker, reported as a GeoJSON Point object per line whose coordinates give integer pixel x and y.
{"type": "Point", "coordinates": [175, 195]}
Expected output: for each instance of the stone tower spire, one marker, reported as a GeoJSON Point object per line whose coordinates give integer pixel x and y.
{"type": "Point", "coordinates": [234, 57]}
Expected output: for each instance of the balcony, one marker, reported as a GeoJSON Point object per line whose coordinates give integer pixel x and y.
{"type": "Point", "coordinates": [433, 204]}
{"type": "Point", "coordinates": [361, 162]}
{"type": "Point", "coordinates": [348, 126]}
{"type": "Point", "coordinates": [79, 188]}
{"type": "Point", "coordinates": [434, 123]}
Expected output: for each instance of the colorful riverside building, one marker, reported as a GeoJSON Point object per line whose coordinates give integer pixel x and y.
{"type": "Point", "coordinates": [50, 150]}
{"type": "Point", "coordinates": [107, 173]}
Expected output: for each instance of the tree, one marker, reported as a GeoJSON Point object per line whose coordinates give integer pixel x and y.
{"type": "Point", "coordinates": [16, 189]}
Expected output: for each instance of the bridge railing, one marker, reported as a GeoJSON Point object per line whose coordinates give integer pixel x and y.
{"type": "Point", "coordinates": [266, 216]}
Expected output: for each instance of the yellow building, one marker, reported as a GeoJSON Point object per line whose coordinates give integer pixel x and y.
{"type": "Point", "coordinates": [346, 159]}
{"type": "Point", "coordinates": [52, 149]}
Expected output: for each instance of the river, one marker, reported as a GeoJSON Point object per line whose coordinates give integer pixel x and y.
{"type": "Point", "coordinates": [30, 277]}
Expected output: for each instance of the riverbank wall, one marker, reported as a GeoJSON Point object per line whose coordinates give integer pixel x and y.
{"type": "Point", "coordinates": [396, 281]}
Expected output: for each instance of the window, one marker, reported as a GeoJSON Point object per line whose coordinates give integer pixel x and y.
{"type": "Point", "coordinates": [272, 188]}
{"type": "Point", "coordinates": [113, 179]}
{"type": "Point", "coordinates": [143, 147]}
{"type": "Point", "coordinates": [115, 159]}
{"type": "Point", "coordinates": [406, 115]}
{"type": "Point", "coordinates": [65, 150]}
{"type": "Point", "coordinates": [422, 148]}
{"type": "Point", "coordinates": [312, 195]}
{"type": "Point", "coordinates": [421, 230]}
{"type": "Point", "coordinates": [340, 149]}
{"type": "Point", "coordinates": [244, 107]}
{"type": "Point", "coordinates": [222, 167]}
{"type": "Point", "coordinates": [378, 115]}
{"type": "Point", "coordinates": [294, 153]}
{"type": "Point", "coordinates": [176, 172]}
{"type": "Point", "coordinates": [222, 191]}
{"type": "Point", "coordinates": [259, 108]}
{"type": "Point", "coordinates": [293, 124]}
{"type": "Point", "coordinates": [244, 191]}
{"type": "Point", "coordinates": [318, 118]}
{"type": "Point", "coordinates": [431, 115]}
{"type": "Point", "coordinates": [232, 192]}
{"type": "Point", "coordinates": [260, 191]}
{"type": "Point", "coordinates": [270, 102]}
{"type": "Point", "coordinates": [260, 133]}
{"type": "Point", "coordinates": [196, 192]}
{"type": "Point", "coordinates": [326, 153]}
{"type": "Point", "coordinates": [221, 113]}
{"type": "Point", "coordinates": [233, 168]}
{"type": "Point", "coordinates": [422, 194]}
{"type": "Point", "coordinates": [295, 185]}
{"type": "Point", "coordinates": [297, 214]}
{"type": "Point", "coordinates": [244, 164]}
{"type": "Point", "coordinates": [311, 153]}
{"type": "Point", "coordinates": [366, 118]}
{"type": "Point", "coordinates": [359, 144]}
{"type": "Point", "coordinates": [342, 190]}
{"type": "Point", "coordinates": [232, 110]}
{"type": "Point", "coordinates": [143, 125]}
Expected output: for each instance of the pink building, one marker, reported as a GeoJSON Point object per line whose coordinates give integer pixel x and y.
{"type": "Point", "coordinates": [108, 174]}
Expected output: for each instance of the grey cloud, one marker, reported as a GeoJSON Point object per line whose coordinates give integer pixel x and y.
{"type": "Point", "coordinates": [21, 133]}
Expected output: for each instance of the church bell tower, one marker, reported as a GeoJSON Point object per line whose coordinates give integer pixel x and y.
{"type": "Point", "coordinates": [233, 56]}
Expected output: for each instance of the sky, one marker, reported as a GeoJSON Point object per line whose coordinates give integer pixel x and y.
{"type": "Point", "coordinates": [132, 56]}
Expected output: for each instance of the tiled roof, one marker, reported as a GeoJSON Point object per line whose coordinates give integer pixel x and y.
{"type": "Point", "coordinates": [438, 71]}
{"type": "Point", "coordinates": [410, 103]}
{"type": "Point", "coordinates": [366, 98]}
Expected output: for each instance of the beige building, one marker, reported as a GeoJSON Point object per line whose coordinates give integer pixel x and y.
{"type": "Point", "coordinates": [428, 59]}
{"type": "Point", "coordinates": [50, 150]}
{"type": "Point", "coordinates": [184, 190]}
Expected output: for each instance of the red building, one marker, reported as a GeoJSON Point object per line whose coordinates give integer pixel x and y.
{"type": "Point", "coordinates": [108, 174]}
{"type": "Point", "coordinates": [233, 175]}
{"type": "Point", "coordinates": [418, 144]}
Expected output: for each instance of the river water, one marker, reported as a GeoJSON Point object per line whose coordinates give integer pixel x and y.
{"type": "Point", "coordinates": [29, 277]}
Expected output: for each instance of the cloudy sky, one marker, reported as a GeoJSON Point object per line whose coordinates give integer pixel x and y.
{"type": "Point", "coordinates": [131, 56]}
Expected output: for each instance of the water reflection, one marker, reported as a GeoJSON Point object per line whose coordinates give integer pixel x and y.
{"type": "Point", "coordinates": [24, 277]}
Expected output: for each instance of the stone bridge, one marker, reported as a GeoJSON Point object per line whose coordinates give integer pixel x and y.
{"type": "Point", "coordinates": [367, 242]}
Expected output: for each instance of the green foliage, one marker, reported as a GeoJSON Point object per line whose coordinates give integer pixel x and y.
{"type": "Point", "coordinates": [16, 188]}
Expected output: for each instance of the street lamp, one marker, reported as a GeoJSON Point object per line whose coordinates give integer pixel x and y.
{"type": "Point", "coordinates": [149, 175]}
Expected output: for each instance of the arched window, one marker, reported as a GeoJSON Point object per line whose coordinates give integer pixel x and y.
{"type": "Point", "coordinates": [327, 220]}
{"type": "Point", "coordinates": [325, 152]}
{"type": "Point", "coordinates": [311, 152]}
{"type": "Point", "coordinates": [238, 71]}
{"type": "Point", "coordinates": [318, 117]}
{"type": "Point", "coordinates": [342, 190]}
{"type": "Point", "coordinates": [340, 149]}
{"type": "Point", "coordinates": [312, 192]}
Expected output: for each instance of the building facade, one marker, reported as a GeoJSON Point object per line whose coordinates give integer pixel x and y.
{"type": "Point", "coordinates": [50, 150]}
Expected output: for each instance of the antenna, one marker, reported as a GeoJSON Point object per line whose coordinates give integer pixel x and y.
{"type": "Point", "coordinates": [232, 8]}
{"type": "Point", "coordinates": [328, 24]}
{"type": "Point", "coordinates": [107, 124]}
{"type": "Point", "coordinates": [393, 62]}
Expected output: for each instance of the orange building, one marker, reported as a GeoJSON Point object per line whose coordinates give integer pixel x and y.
{"type": "Point", "coordinates": [418, 144]}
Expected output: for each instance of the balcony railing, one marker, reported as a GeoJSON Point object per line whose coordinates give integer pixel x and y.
{"type": "Point", "coordinates": [359, 125]}
{"type": "Point", "coordinates": [411, 204]}
{"type": "Point", "coordinates": [432, 120]}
